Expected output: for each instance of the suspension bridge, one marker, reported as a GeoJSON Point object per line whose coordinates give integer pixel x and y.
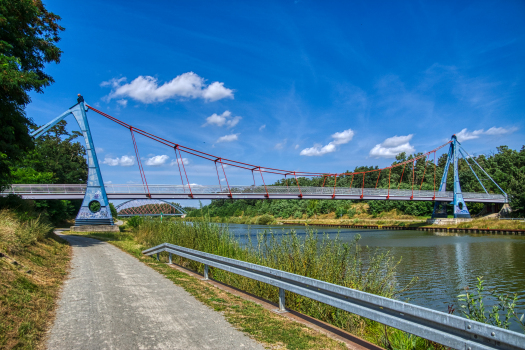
{"type": "Point", "coordinates": [98, 193]}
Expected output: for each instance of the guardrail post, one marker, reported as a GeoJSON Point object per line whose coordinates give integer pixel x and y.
{"type": "Point", "coordinates": [170, 259]}
{"type": "Point", "coordinates": [282, 307]}
{"type": "Point", "coordinates": [158, 256]}
{"type": "Point", "coordinates": [205, 272]}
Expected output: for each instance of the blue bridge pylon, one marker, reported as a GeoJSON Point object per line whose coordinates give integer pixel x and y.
{"type": "Point", "coordinates": [95, 206]}
{"type": "Point", "coordinates": [460, 209]}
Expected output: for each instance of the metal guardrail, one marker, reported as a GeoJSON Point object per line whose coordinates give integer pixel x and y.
{"type": "Point", "coordinates": [254, 192]}
{"type": "Point", "coordinates": [449, 330]}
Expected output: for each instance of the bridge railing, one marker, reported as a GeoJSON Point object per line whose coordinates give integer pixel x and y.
{"type": "Point", "coordinates": [449, 330]}
{"type": "Point", "coordinates": [293, 191]}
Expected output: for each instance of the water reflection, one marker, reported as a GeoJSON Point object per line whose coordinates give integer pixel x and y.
{"type": "Point", "coordinates": [444, 263]}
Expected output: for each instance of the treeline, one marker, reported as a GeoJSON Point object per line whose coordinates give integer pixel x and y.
{"type": "Point", "coordinates": [57, 158]}
{"type": "Point", "coordinates": [506, 167]}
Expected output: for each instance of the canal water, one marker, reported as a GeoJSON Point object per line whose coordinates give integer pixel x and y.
{"type": "Point", "coordinates": [444, 263]}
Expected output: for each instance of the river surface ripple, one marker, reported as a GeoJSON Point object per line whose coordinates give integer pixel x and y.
{"type": "Point", "coordinates": [444, 263]}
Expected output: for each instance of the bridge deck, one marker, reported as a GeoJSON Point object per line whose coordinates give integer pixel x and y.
{"type": "Point", "coordinates": [133, 191]}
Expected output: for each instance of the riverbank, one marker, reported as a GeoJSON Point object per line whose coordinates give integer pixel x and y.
{"type": "Point", "coordinates": [478, 226]}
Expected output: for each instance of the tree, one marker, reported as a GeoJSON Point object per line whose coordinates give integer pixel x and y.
{"type": "Point", "coordinates": [55, 159]}
{"type": "Point", "coordinates": [56, 153]}
{"type": "Point", "coordinates": [28, 37]}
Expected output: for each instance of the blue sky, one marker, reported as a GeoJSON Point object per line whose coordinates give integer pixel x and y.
{"type": "Point", "coordinates": [299, 85]}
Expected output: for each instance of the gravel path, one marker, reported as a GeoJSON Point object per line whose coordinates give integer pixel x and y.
{"type": "Point", "coordinates": [113, 301]}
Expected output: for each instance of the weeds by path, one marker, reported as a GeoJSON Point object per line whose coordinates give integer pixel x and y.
{"type": "Point", "coordinates": [33, 265]}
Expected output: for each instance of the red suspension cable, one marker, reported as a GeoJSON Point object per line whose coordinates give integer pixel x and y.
{"type": "Point", "coordinates": [363, 188]}
{"type": "Point", "coordinates": [219, 178]}
{"type": "Point", "coordinates": [180, 172]}
{"type": "Point", "coordinates": [413, 178]}
{"type": "Point", "coordinates": [267, 194]}
{"type": "Point", "coordinates": [185, 173]}
{"type": "Point", "coordinates": [424, 171]}
{"type": "Point", "coordinates": [225, 177]}
{"type": "Point", "coordinates": [377, 181]}
{"type": "Point", "coordinates": [389, 173]}
{"type": "Point", "coordinates": [401, 179]}
{"type": "Point", "coordinates": [139, 163]}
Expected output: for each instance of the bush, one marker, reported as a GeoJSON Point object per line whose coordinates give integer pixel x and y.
{"type": "Point", "coordinates": [265, 220]}
{"type": "Point", "coordinates": [135, 221]}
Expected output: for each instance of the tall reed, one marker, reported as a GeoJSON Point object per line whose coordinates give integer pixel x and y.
{"type": "Point", "coordinates": [320, 257]}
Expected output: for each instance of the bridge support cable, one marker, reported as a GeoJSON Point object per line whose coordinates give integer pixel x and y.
{"type": "Point", "coordinates": [435, 166]}
{"type": "Point", "coordinates": [377, 181]}
{"type": "Point", "coordinates": [139, 163]}
{"type": "Point", "coordinates": [473, 172]}
{"type": "Point", "coordinates": [225, 178]}
{"type": "Point", "coordinates": [185, 173]}
{"type": "Point", "coordinates": [413, 178]}
{"type": "Point", "coordinates": [389, 174]}
{"type": "Point", "coordinates": [424, 172]}
{"type": "Point", "coordinates": [299, 187]}
{"type": "Point", "coordinates": [401, 179]}
{"type": "Point", "coordinates": [363, 187]}
{"type": "Point", "coordinates": [474, 160]}
{"type": "Point", "coordinates": [180, 172]}
{"type": "Point", "coordinates": [264, 183]}
{"type": "Point", "coordinates": [335, 182]}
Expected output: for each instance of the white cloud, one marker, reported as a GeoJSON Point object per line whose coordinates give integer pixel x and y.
{"type": "Point", "coordinates": [262, 127]}
{"type": "Point", "coordinates": [123, 103]}
{"type": "Point", "coordinates": [228, 138]}
{"type": "Point", "coordinates": [146, 89]}
{"type": "Point", "coordinates": [280, 145]}
{"type": "Point", "coordinates": [223, 119]}
{"type": "Point", "coordinates": [392, 146]}
{"type": "Point", "coordinates": [108, 182]}
{"type": "Point", "coordinates": [126, 161]}
{"type": "Point", "coordinates": [184, 161]}
{"type": "Point", "coordinates": [99, 149]}
{"type": "Point", "coordinates": [296, 146]}
{"type": "Point", "coordinates": [122, 161]}
{"type": "Point", "coordinates": [157, 160]}
{"type": "Point", "coordinates": [340, 138]}
{"type": "Point", "coordinates": [465, 135]}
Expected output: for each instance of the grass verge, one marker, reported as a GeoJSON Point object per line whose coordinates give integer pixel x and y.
{"type": "Point", "coordinates": [274, 331]}
{"type": "Point", "coordinates": [33, 265]}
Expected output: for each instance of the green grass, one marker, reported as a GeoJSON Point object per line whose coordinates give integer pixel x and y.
{"type": "Point", "coordinates": [32, 269]}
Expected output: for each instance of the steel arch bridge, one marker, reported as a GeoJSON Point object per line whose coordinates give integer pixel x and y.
{"type": "Point", "coordinates": [149, 207]}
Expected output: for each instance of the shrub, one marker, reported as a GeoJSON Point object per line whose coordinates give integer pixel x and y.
{"type": "Point", "coordinates": [265, 220]}
{"type": "Point", "coordinates": [135, 221]}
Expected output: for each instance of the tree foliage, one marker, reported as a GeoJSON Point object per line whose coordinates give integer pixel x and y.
{"type": "Point", "coordinates": [28, 37]}
{"type": "Point", "coordinates": [56, 158]}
